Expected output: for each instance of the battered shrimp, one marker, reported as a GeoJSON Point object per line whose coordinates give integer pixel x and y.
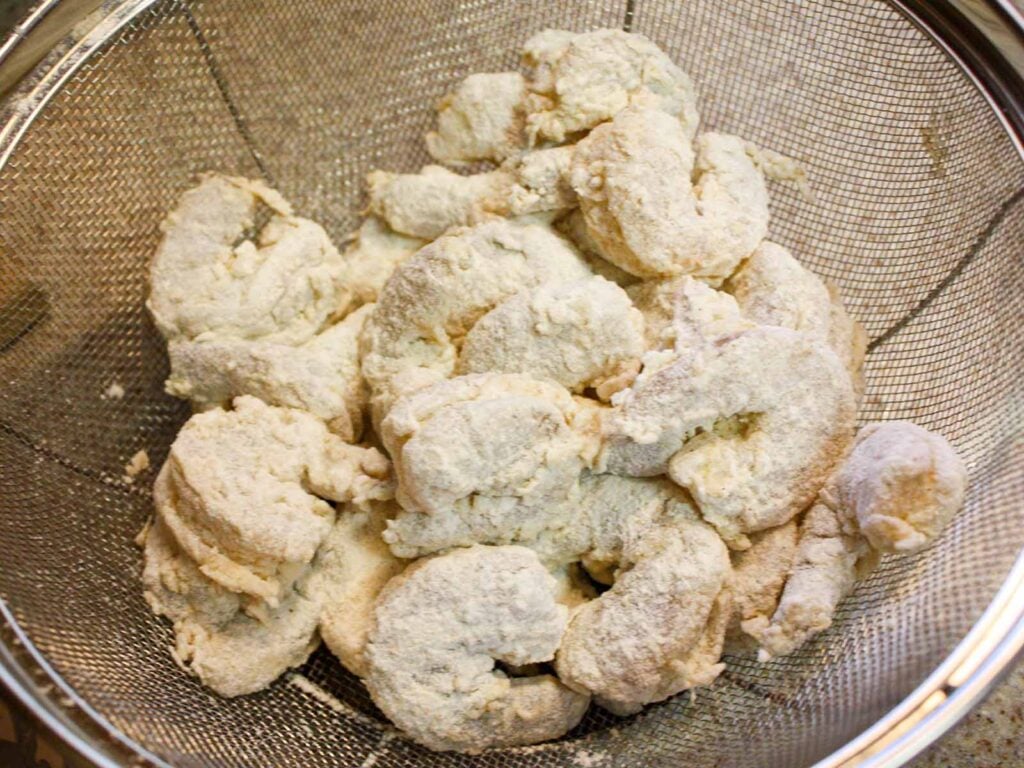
{"type": "Point", "coordinates": [372, 255]}
{"type": "Point", "coordinates": [240, 493]}
{"type": "Point", "coordinates": [435, 297]}
{"type": "Point", "coordinates": [232, 652]}
{"type": "Point", "coordinates": [586, 524]}
{"type": "Point", "coordinates": [536, 182]}
{"type": "Point", "coordinates": [484, 119]}
{"type": "Point", "coordinates": [351, 568]}
{"type": "Point", "coordinates": [895, 492]}
{"type": "Point", "coordinates": [656, 208]}
{"type": "Point", "coordinates": [773, 288]}
{"type": "Point", "coordinates": [828, 560]}
{"type": "Point", "coordinates": [209, 280]}
{"type": "Point", "coordinates": [613, 523]}
{"type": "Point", "coordinates": [580, 334]}
{"type": "Point", "coordinates": [551, 530]}
{"type": "Point", "coordinates": [660, 627]}
{"type": "Point", "coordinates": [617, 512]}
{"type": "Point", "coordinates": [621, 421]}
{"type": "Point", "coordinates": [440, 627]}
{"type": "Point", "coordinates": [492, 435]}
{"type": "Point", "coordinates": [580, 80]}
{"type": "Point", "coordinates": [751, 425]}
{"type": "Point", "coordinates": [758, 576]}
{"type": "Point", "coordinates": [900, 486]}
{"type": "Point", "coordinates": [429, 203]}
{"type": "Point", "coordinates": [322, 376]}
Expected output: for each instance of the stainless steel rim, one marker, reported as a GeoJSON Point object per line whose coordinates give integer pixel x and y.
{"type": "Point", "coordinates": [986, 39]}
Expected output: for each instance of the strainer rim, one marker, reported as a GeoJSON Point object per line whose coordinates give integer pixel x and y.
{"type": "Point", "coordinates": [42, 83]}
{"type": "Point", "coordinates": [985, 654]}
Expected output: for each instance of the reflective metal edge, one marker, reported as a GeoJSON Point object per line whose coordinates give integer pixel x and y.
{"type": "Point", "coordinates": [19, 111]}
{"type": "Point", "coordinates": [986, 38]}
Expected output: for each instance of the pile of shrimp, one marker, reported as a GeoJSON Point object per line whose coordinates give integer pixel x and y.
{"type": "Point", "coordinates": [570, 431]}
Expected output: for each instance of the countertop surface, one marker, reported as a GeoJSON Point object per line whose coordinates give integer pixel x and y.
{"type": "Point", "coordinates": [990, 737]}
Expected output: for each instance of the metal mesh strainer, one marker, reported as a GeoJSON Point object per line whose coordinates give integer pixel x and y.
{"type": "Point", "coordinates": [917, 184]}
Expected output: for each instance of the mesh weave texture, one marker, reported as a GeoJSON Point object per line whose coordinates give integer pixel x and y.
{"type": "Point", "coordinates": [916, 214]}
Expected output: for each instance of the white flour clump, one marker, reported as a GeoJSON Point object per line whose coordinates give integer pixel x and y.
{"type": "Point", "coordinates": [610, 426]}
{"type": "Point", "coordinates": [136, 465]}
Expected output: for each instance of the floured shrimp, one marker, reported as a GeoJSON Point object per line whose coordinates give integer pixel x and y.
{"type": "Point", "coordinates": [429, 203]}
{"type": "Point", "coordinates": [535, 182]}
{"type": "Point", "coordinates": [895, 492]}
{"type": "Point", "coordinates": [550, 529]}
{"type": "Point", "coordinates": [660, 628]}
{"type": "Point", "coordinates": [575, 229]}
{"type": "Point", "coordinates": [174, 585]}
{"type": "Point", "coordinates": [606, 521]}
{"type": "Point", "coordinates": [828, 562]}
{"type": "Point", "coordinates": [751, 425]}
{"type": "Point", "coordinates": [232, 651]}
{"type": "Point", "coordinates": [581, 80]}
{"type": "Point", "coordinates": [441, 626]}
{"type": "Point", "coordinates": [209, 280]}
{"type": "Point", "coordinates": [658, 205]}
{"type": "Point", "coordinates": [322, 376]}
{"type": "Point", "coordinates": [758, 576]}
{"type": "Point", "coordinates": [372, 255]}
{"type": "Point", "coordinates": [621, 420]}
{"type": "Point", "coordinates": [681, 312]}
{"type": "Point", "coordinates": [351, 568]}
{"type": "Point", "coordinates": [240, 491]}
{"type": "Point", "coordinates": [900, 485]}
{"type": "Point", "coordinates": [435, 297]}
{"type": "Point", "coordinates": [580, 334]}
{"type": "Point", "coordinates": [483, 119]}
{"type": "Point", "coordinates": [491, 435]}
{"type": "Point", "coordinates": [557, 528]}
{"type": "Point", "coordinates": [773, 288]}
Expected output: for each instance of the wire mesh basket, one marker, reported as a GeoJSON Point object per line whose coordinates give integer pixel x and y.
{"type": "Point", "coordinates": [907, 117]}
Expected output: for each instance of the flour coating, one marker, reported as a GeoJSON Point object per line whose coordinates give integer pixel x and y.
{"type": "Point", "coordinates": [441, 626]}
{"type": "Point", "coordinates": [614, 420]}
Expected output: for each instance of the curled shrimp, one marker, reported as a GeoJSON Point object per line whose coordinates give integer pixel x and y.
{"type": "Point", "coordinates": [440, 628]}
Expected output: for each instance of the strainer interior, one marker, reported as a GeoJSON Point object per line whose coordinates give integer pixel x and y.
{"type": "Point", "coordinates": [914, 212]}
